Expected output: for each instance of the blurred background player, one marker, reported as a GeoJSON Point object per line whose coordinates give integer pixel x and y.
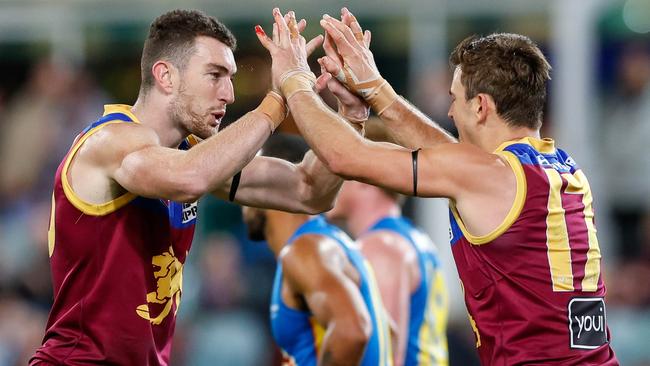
{"type": "Point", "coordinates": [124, 203]}
{"type": "Point", "coordinates": [522, 220]}
{"type": "Point", "coordinates": [94, 48]}
{"type": "Point", "coordinates": [406, 265]}
{"type": "Point", "coordinates": [325, 306]}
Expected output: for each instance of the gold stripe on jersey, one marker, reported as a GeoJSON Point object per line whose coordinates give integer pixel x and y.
{"type": "Point", "coordinates": [120, 108]}
{"type": "Point", "coordinates": [472, 322]}
{"type": "Point", "coordinates": [192, 140]}
{"type": "Point", "coordinates": [557, 237]}
{"type": "Point", "coordinates": [515, 209]}
{"type": "Point", "coordinates": [318, 332]}
{"type": "Point", "coordinates": [51, 233]}
{"type": "Point", "coordinates": [432, 338]}
{"type": "Point", "coordinates": [91, 209]}
{"type": "Point", "coordinates": [592, 267]}
{"type": "Point", "coordinates": [385, 351]}
{"type": "Point", "coordinates": [425, 339]}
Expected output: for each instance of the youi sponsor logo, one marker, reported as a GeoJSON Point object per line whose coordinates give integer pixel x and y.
{"type": "Point", "coordinates": [587, 323]}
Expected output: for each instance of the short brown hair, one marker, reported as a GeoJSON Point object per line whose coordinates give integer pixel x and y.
{"type": "Point", "coordinates": [171, 38]}
{"type": "Point", "coordinates": [511, 69]}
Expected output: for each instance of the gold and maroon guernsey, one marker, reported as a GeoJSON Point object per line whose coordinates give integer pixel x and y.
{"type": "Point", "coordinates": [533, 287]}
{"type": "Point", "coordinates": [117, 271]}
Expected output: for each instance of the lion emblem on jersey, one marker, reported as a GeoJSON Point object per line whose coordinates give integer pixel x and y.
{"type": "Point", "coordinates": [169, 285]}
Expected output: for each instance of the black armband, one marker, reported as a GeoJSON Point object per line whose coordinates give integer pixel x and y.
{"type": "Point", "coordinates": [233, 186]}
{"type": "Point", "coordinates": [414, 157]}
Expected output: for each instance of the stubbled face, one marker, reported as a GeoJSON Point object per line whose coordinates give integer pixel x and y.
{"type": "Point", "coordinates": [461, 111]}
{"type": "Point", "coordinates": [255, 220]}
{"type": "Point", "coordinates": [205, 88]}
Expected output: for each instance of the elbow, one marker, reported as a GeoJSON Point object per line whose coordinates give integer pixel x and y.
{"type": "Point", "coordinates": [191, 188]}
{"type": "Point", "coordinates": [359, 337]}
{"type": "Point", "coordinates": [190, 193]}
{"type": "Point", "coordinates": [353, 341]}
{"type": "Point", "coordinates": [313, 199]}
{"type": "Point", "coordinates": [316, 208]}
{"type": "Point", "coordinates": [356, 332]}
{"type": "Point", "coordinates": [345, 161]}
{"type": "Point", "coordinates": [338, 164]}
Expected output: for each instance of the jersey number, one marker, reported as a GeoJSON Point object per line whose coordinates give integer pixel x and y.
{"type": "Point", "coordinates": [557, 235]}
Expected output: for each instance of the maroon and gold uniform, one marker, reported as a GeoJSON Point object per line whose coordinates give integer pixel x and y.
{"type": "Point", "coordinates": [533, 286]}
{"type": "Point", "coordinates": [117, 271]}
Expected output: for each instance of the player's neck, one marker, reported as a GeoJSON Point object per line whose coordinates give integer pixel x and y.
{"type": "Point", "coordinates": [505, 133]}
{"type": "Point", "coordinates": [280, 226]}
{"type": "Point", "coordinates": [156, 116]}
{"type": "Point", "coordinates": [365, 216]}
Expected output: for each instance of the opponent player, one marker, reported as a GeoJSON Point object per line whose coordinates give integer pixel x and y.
{"type": "Point", "coordinates": [524, 237]}
{"type": "Point", "coordinates": [124, 202]}
{"type": "Point", "coordinates": [325, 306]}
{"type": "Point", "coordinates": [407, 269]}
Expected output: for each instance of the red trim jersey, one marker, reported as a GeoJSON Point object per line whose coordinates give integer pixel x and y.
{"type": "Point", "coordinates": [533, 287]}
{"type": "Point", "coordinates": [117, 271]}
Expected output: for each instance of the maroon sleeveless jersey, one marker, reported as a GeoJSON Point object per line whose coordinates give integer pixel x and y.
{"type": "Point", "coordinates": [117, 270]}
{"type": "Point", "coordinates": [533, 286]}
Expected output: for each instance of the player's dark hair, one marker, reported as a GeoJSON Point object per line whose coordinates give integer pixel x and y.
{"type": "Point", "coordinates": [172, 36]}
{"type": "Point", "coordinates": [285, 146]}
{"type": "Point", "coordinates": [511, 69]}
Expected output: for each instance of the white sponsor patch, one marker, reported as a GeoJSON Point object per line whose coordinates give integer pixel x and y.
{"type": "Point", "coordinates": [190, 211]}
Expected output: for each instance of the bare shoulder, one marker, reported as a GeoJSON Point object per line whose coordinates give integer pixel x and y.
{"type": "Point", "coordinates": [388, 244]}
{"type": "Point", "coordinates": [458, 170]}
{"type": "Point", "coordinates": [464, 156]}
{"type": "Point", "coordinates": [112, 143]}
{"type": "Point", "coordinates": [311, 249]}
{"type": "Point", "coordinates": [311, 257]}
{"type": "Point", "coordinates": [494, 187]}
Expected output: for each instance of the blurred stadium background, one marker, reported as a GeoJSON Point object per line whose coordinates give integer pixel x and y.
{"type": "Point", "coordinates": [60, 61]}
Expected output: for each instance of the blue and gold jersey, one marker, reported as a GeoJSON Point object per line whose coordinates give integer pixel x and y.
{"type": "Point", "coordinates": [427, 340]}
{"type": "Point", "coordinates": [299, 335]}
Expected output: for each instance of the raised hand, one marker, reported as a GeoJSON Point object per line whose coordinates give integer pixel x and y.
{"type": "Point", "coordinates": [288, 51]}
{"type": "Point", "coordinates": [350, 106]}
{"type": "Point", "coordinates": [301, 25]}
{"type": "Point", "coordinates": [347, 45]}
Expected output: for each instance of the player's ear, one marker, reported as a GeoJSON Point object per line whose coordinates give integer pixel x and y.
{"type": "Point", "coordinates": [482, 106]}
{"type": "Point", "coordinates": [163, 74]}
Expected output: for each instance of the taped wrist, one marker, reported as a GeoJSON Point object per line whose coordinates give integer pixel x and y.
{"type": "Point", "coordinates": [274, 107]}
{"type": "Point", "coordinates": [377, 91]}
{"type": "Point", "coordinates": [296, 81]}
{"type": "Point", "coordinates": [381, 97]}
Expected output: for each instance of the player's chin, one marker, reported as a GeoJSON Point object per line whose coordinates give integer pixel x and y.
{"type": "Point", "coordinates": [206, 132]}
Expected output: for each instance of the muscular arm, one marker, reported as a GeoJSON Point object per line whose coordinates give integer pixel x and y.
{"type": "Point", "coordinates": [411, 128]}
{"type": "Point", "coordinates": [141, 166]}
{"type": "Point", "coordinates": [440, 171]}
{"type": "Point", "coordinates": [482, 185]}
{"type": "Point", "coordinates": [314, 268]}
{"type": "Point", "coordinates": [387, 250]}
{"type": "Point", "coordinates": [308, 187]}
{"type": "Point", "coordinates": [273, 183]}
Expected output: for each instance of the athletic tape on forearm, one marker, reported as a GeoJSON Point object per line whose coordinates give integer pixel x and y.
{"type": "Point", "coordinates": [381, 97]}
{"type": "Point", "coordinates": [273, 106]}
{"type": "Point", "coordinates": [377, 92]}
{"type": "Point", "coordinates": [296, 81]}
